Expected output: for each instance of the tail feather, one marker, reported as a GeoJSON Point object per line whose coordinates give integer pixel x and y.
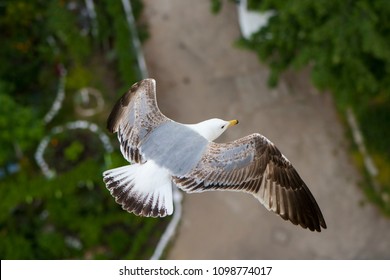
{"type": "Point", "coordinates": [142, 189]}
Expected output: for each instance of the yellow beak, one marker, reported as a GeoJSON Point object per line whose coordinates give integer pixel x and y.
{"type": "Point", "coordinates": [233, 122]}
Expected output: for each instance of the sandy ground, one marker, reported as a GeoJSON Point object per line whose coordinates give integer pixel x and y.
{"type": "Point", "coordinates": [200, 75]}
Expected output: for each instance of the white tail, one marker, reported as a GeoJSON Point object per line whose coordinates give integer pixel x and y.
{"type": "Point", "coordinates": [142, 189]}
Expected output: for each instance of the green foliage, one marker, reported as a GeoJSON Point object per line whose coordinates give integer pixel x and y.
{"type": "Point", "coordinates": [142, 28]}
{"type": "Point", "coordinates": [345, 43]}
{"type": "Point", "coordinates": [73, 147]}
{"type": "Point", "coordinates": [62, 24]}
{"type": "Point", "coordinates": [72, 216]}
{"type": "Point", "coordinates": [24, 47]}
{"type": "Point", "coordinates": [18, 125]}
{"type": "Point", "coordinates": [373, 119]}
{"type": "Point", "coordinates": [114, 32]}
{"type": "Point", "coordinates": [123, 45]}
{"type": "Point", "coordinates": [73, 151]}
{"type": "Point", "coordinates": [216, 6]}
{"type": "Point", "coordinates": [79, 76]}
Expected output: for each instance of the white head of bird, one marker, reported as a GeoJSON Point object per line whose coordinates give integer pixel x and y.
{"type": "Point", "coordinates": [213, 128]}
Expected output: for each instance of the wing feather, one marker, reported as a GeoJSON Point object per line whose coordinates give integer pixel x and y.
{"type": "Point", "coordinates": [134, 116]}
{"type": "Point", "coordinates": [253, 164]}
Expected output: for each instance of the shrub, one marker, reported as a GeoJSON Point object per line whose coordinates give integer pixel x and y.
{"type": "Point", "coordinates": [344, 42]}
{"type": "Point", "coordinates": [71, 216]}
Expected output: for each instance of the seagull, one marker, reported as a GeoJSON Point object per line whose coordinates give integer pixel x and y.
{"type": "Point", "coordinates": [164, 154]}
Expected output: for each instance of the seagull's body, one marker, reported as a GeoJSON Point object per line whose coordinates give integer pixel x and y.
{"type": "Point", "coordinates": [164, 153]}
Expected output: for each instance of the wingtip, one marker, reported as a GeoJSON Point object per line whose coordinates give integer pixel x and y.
{"type": "Point", "coordinates": [149, 80]}
{"type": "Point", "coordinates": [117, 111]}
{"type": "Point", "coordinates": [149, 83]}
{"type": "Point", "coordinates": [112, 120]}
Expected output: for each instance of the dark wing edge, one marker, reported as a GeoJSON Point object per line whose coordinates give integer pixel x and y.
{"type": "Point", "coordinates": [254, 165]}
{"type": "Point", "coordinates": [134, 115]}
{"type": "Point", "coordinates": [150, 203]}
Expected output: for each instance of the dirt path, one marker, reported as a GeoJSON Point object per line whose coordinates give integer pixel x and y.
{"type": "Point", "coordinates": [201, 75]}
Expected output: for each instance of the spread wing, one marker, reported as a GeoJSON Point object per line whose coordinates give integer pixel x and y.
{"type": "Point", "coordinates": [253, 164]}
{"type": "Point", "coordinates": [134, 116]}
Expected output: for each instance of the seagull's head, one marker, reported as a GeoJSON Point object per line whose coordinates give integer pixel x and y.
{"type": "Point", "coordinates": [213, 128]}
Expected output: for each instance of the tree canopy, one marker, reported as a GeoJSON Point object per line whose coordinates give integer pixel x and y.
{"type": "Point", "coordinates": [20, 129]}
{"type": "Point", "coordinates": [346, 44]}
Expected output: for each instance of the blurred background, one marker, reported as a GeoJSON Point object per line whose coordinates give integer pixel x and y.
{"type": "Point", "coordinates": [312, 76]}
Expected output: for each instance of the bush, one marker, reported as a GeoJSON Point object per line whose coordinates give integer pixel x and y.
{"type": "Point", "coordinates": [344, 43]}
{"type": "Point", "coordinates": [72, 216]}
{"type": "Point", "coordinates": [24, 48]}
{"type": "Point", "coordinates": [123, 47]}
{"type": "Point", "coordinates": [19, 127]}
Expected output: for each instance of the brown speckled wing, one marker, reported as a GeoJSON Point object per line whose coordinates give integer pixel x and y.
{"type": "Point", "coordinates": [134, 116]}
{"type": "Point", "coordinates": [254, 165]}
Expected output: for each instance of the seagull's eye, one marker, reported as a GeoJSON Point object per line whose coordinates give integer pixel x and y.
{"type": "Point", "coordinates": [222, 127]}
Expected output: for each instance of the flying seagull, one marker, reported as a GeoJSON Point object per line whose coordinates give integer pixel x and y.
{"type": "Point", "coordinates": [164, 153]}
